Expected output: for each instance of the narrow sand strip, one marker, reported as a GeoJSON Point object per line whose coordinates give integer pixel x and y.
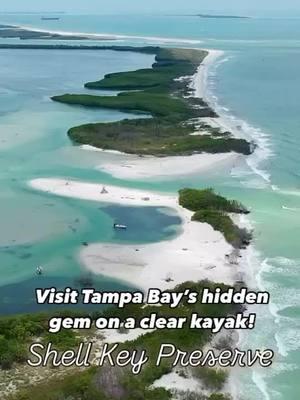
{"type": "Point", "coordinates": [199, 80]}
{"type": "Point", "coordinates": [151, 168]}
{"type": "Point", "coordinates": [197, 253]}
{"type": "Point", "coordinates": [109, 36]}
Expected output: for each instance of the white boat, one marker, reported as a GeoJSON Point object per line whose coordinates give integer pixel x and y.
{"type": "Point", "coordinates": [120, 226]}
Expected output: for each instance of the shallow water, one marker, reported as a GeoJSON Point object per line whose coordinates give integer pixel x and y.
{"type": "Point", "coordinates": [255, 86]}
{"type": "Point", "coordinates": [37, 228]}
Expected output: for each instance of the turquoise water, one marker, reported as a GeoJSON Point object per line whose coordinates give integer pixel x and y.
{"type": "Point", "coordinates": [255, 86]}
{"type": "Point", "coordinates": [36, 228]}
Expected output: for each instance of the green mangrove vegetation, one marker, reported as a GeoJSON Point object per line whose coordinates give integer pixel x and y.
{"type": "Point", "coordinates": [17, 332]}
{"type": "Point", "coordinates": [213, 209]}
{"type": "Point", "coordinates": [196, 199]}
{"type": "Point", "coordinates": [115, 383]}
{"type": "Point", "coordinates": [159, 92]}
{"type": "Point", "coordinates": [159, 136]}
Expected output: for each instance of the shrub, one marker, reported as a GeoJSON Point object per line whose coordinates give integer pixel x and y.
{"type": "Point", "coordinates": [195, 200]}
{"type": "Point", "coordinates": [211, 208]}
{"type": "Point", "coordinates": [224, 224]}
{"type": "Point", "coordinates": [214, 379]}
{"type": "Point", "coordinates": [219, 396]}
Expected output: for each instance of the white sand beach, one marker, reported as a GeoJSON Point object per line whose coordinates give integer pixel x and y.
{"type": "Point", "coordinates": [132, 167]}
{"type": "Point", "coordinates": [198, 252]}
{"type": "Point", "coordinates": [199, 80]}
{"type": "Point", "coordinates": [151, 168]}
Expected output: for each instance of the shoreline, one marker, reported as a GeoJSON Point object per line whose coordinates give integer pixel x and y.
{"type": "Point", "coordinates": [107, 36]}
{"type": "Point", "coordinates": [196, 253]}
{"type": "Point", "coordinates": [234, 123]}
{"type": "Point", "coordinates": [149, 167]}
{"type": "Point", "coordinates": [199, 79]}
{"type": "Point", "coordinates": [153, 167]}
{"type": "Point", "coordinates": [239, 128]}
{"type": "Point", "coordinates": [199, 251]}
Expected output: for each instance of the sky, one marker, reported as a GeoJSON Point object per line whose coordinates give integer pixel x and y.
{"type": "Point", "coordinates": [236, 7]}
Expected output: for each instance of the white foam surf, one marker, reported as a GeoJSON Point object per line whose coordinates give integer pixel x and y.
{"type": "Point", "coordinates": [279, 332]}
{"type": "Point", "coordinates": [290, 208]}
{"type": "Point", "coordinates": [260, 384]}
{"type": "Point", "coordinates": [259, 269]}
{"type": "Point", "coordinates": [240, 128]}
{"type": "Point", "coordinates": [288, 340]}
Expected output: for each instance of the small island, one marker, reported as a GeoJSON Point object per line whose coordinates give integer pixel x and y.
{"type": "Point", "coordinates": [211, 16]}
{"type": "Point", "coordinates": [177, 125]}
{"type": "Point", "coordinates": [216, 16]}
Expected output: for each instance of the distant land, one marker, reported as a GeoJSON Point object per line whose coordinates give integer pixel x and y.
{"type": "Point", "coordinates": [221, 16]}
{"type": "Point", "coordinates": [211, 16]}
{"type": "Point", "coordinates": [12, 32]}
{"type": "Point", "coordinates": [33, 12]}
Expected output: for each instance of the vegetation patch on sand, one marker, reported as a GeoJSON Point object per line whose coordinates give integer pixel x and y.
{"type": "Point", "coordinates": [163, 93]}
{"type": "Point", "coordinates": [17, 332]}
{"type": "Point", "coordinates": [213, 209]}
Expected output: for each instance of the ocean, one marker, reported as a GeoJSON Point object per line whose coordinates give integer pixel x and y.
{"type": "Point", "coordinates": [255, 88]}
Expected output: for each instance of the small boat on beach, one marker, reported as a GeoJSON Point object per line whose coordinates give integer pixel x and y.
{"type": "Point", "coordinates": [120, 226]}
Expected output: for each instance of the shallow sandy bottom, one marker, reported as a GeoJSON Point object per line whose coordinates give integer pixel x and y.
{"type": "Point", "coordinates": [197, 253]}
